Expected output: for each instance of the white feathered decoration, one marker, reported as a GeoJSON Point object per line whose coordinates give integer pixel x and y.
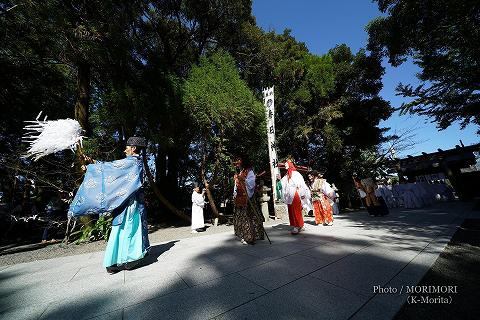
{"type": "Point", "coordinates": [46, 137]}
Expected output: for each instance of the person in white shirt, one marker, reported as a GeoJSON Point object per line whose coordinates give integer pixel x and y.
{"type": "Point", "coordinates": [198, 203]}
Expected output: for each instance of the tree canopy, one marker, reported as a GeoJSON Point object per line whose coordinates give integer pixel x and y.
{"type": "Point", "coordinates": [187, 75]}
{"type": "Point", "coordinates": [442, 38]}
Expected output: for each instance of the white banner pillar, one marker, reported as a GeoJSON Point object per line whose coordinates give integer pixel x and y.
{"type": "Point", "coordinates": [269, 102]}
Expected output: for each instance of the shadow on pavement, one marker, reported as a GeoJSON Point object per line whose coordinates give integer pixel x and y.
{"type": "Point", "coordinates": [300, 276]}
{"type": "Point", "coordinates": [458, 265]}
{"type": "Point", "coordinates": [154, 253]}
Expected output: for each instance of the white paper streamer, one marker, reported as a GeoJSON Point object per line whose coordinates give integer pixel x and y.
{"type": "Point", "coordinates": [46, 137]}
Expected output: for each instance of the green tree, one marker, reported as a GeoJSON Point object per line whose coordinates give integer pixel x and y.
{"type": "Point", "coordinates": [118, 66]}
{"type": "Point", "coordinates": [188, 76]}
{"type": "Point", "coordinates": [442, 38]}
{"type": "Point", "coordinates": [170, 37]}
{"type": "Point", "coordinates": [302, 83]}
{"type": "Point", "coordinates": [328, 107]}
{"type": "Point", "coordinates": [227, 117]}
{"type": "Point", "coordinates": [354, 135]}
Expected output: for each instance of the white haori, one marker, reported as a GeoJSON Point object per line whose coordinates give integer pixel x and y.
{"type": "Point", "coordinates": [198, 203]}
{"type": "Point", "coordinates": [295, 184]}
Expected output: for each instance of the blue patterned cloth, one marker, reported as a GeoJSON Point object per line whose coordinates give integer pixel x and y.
{"type": "Point", "coordinates": [115, 187]}
{"type": "Point", "coordinates": [106, 186]}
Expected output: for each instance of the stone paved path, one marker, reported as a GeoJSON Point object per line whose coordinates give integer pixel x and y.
{"type": "Point", "coordinates": [323, 273]}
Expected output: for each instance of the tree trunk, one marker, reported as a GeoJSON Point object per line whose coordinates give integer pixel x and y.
{"type": "Point", "coordinates": [83, 96]}
{"type": "Point", "coordinates": [81, 113]}
{"type": "Point", "coordinates": [160, 196]}
{"type": "Point", "coordinates": [211, 201]}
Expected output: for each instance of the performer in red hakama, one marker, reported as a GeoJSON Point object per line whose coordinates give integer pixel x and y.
{"type": "Point", "coordinates": [294, 191]}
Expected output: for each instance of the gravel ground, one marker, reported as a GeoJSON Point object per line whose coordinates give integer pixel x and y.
{"type": "Point", "coordinates": [159, 234]}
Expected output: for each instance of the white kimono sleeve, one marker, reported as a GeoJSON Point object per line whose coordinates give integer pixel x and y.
{"type": "Point", "coordinates": [328, 190]}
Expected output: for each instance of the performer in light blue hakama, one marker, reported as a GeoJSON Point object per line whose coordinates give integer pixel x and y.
{"type": "Point", "coordinates": [115, 188]}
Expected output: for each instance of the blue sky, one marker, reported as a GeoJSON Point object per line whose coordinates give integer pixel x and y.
{"type": "Point", "coordinates": [321, 25]}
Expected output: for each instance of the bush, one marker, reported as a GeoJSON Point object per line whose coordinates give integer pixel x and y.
{"type": "Point", "coordinates": [93, 232]}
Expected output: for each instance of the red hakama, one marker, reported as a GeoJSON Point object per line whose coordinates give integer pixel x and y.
{"type": "Point", "coordinates": [295, 212]}
{"type": "Point", "coordinates": [323, 211]}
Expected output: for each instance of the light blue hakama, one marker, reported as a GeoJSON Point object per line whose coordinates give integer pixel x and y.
{"type": "Point", "coordinates": [128, 241]}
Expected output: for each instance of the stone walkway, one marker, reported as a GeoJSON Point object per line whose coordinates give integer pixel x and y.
{"type": "Point", "coordinates": [323, 273]}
